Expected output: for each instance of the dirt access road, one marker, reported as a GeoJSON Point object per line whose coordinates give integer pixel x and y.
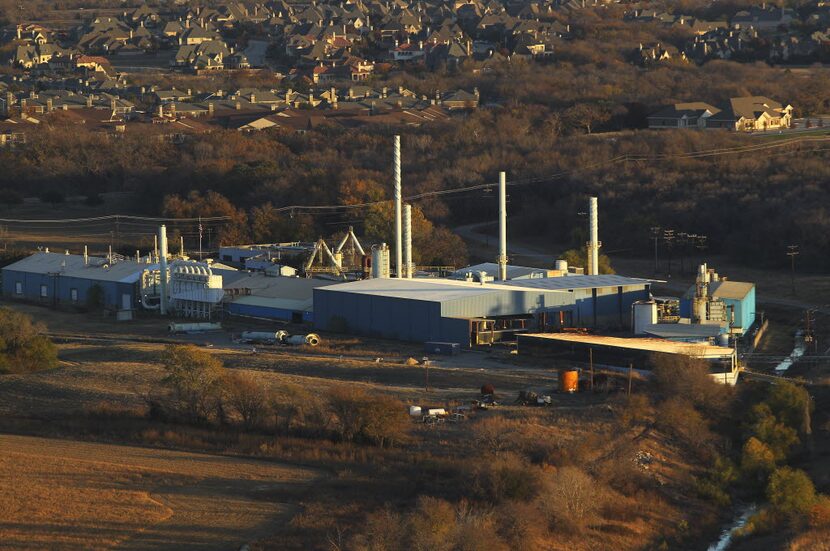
{"type": "Point", "coordinates": [67, 495]}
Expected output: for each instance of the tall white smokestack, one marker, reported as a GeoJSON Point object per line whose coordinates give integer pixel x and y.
{"type": "Point", "coordinates": [398, 237]}
{"type": "Point", "coordinates": [593, 244]}
{"type": "Point", "coordinates": [502, 259]}
{"type": "Point", "coordinates": [163, 267]}
{"type": "Point", "coordinates": [407, 240]}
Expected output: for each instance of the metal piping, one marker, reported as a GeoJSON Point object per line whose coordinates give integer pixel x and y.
{"type": "Point", "coordinates": [163, 267]}
{"type": "Point", "coordinates": [398, 237]}
{"type": "Point", "coordinates": [407, 240]}
{"type": "Point", "coordinates": [502, 259]}
{"type": "Point", "coordinates": [593, 230]}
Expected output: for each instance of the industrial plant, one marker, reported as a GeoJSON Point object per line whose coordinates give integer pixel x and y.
{"type": "Point", "coordinates": [377, 291]}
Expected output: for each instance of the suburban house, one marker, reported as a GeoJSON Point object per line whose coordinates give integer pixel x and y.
{"type": "Point", "coordinates": [682, 115]}
{"type": "Point", "coordinates": [744, 114]}
{"type": "Point", "coordinates": [759, 113]}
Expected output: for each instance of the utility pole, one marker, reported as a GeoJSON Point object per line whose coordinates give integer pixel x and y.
{"type": "Point", "coordinates": [668, 237]}
{"type": "Point", "coordinates": [630, 374]}
{"type": "Point", "coordinates": [200, 239]}
{"type": "Point", "coordinates": [682, 242]}
{"type": "Point", "coordinates": [655, 234]}
{"type": "Point", "coordinates": [792, 252]}
{"type": "Point", "coordinates": [591, 363]}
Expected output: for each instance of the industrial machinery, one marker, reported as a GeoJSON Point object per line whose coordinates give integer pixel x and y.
{"type": "Point", "coordinates": [706, 308]}
{"type": "Point", "coordinates": [280, 337]}
{"type": "Point", "coordinates": [380, 261]}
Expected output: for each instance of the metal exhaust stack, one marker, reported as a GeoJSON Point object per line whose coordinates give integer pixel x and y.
{"type": "Point", "coordinates": [407, 240]}
{"type": "Point", "coordinates": [398, 237]}
{"type": "Point", "coordinates": [163, 268]}
{"type": "Point", "coordinates": [502, 259]}
{"type": "Point", "coordinates": [593, 244]}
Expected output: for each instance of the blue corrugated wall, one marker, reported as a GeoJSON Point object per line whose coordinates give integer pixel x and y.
{"type": "Point", "coordinates": [267, 312]}
{"type": "Point", "coordinates": [62, 286]}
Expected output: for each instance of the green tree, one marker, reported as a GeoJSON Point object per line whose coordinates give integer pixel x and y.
{"type": "Point", "coordinates": [195, 379]}
{"type": "Point", "coordinates": [790, 492]}
{"type": "Point", "coordinates": [757, 459]}
{"type": "Point", "coordinates": [579, 257]}
{"type": "Point", "coordinates": [23, 345]}
{"type": "Point", "coordinates": [792, 405]}
{"type": "Point", "coordinates": [768, 429]}
{"type": "Point", "coordinates": [209, 204]}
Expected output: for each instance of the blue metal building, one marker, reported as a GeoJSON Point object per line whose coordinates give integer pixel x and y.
{"type": "Point", "coordinates": [66, 279]}
{"type": "Point", "coordinates": [738, 296]}
{"type": "Point", "coordinates": [457, 311]}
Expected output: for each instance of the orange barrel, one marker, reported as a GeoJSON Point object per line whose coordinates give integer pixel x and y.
{"type": "Point", "coordinates": [568, 380]}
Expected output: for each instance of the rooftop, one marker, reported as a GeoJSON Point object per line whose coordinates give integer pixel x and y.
{"type": "Point", "coordinates": [441, 290]}
{"type": "Point", "coordinates": [492, 269]}
{"type": "Point", "coordinates": [737, 290]}
{"type": "Point", "coordinates": [72, 265]}
{"type": "Point", "coordinates": [700, 350]}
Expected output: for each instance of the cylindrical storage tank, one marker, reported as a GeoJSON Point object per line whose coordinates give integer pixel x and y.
{"type": "Point", "coordinates": [698, 309]}
{"type": "Point", "coordinates": [643, 314]}
{"type": "Point", "coordinates": [259, 336]}
{"type": "Point", "coordinates": [568, 380]}
{"type": "Point", "coordinates": [723, 340]}
{"type": "Point", "coordinates": [312, 339]}
{"type": "Point", "coordinates": [380, 261]}
{"type": "Point", "coordinates": [561, 265]}
{"type": "Point", "coordinates": [192, 327]}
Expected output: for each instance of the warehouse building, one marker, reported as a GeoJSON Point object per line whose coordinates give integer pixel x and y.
{"type": "Point", "coordinates": [736, 297]}
{"type": "Point", "coordinates": [472, 313]}
{"type": "Point", "coordinates": [279, 298]}
{"type": "Point", "coordinates": [67, 279]}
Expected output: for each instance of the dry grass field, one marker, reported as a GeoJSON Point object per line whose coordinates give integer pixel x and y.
{"type": "Point", "coordinates": [58, 494]}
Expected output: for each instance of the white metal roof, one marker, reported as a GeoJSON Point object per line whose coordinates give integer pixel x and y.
{"type": "Point", "coordinates": [735, 290]}
{"type": "Point", "coordinates": [277, 287]}
{"type": "Point", "coordinates": [683, 330]}
{"type": "Point", "coordinates": [698, 350]}
{"type": "Point", "coordinates": [441, 290]}
{"type": "Point", "coordinates": [72, 265]}
{"type": "Point", "coordinates": [492, 269]}
{"type": "Point", "coordinates": [424, 289]}
{"type": "Point", "coordinates": [575, 282]}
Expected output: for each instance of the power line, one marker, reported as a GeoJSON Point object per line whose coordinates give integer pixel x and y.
{"type": "Point", "coordinates": [306, 209]}
{"type": "Point", "coordinates": [114, 217]}
{"type": "Point", "coordinates": [627, 158]}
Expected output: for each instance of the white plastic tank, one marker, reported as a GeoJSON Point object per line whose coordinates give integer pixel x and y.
{"type": "Point", "coordinates": [259, 336]}
{"type": "Point", "coordinates": [380, 261]}
{"type": "Point", "coordinates": [723, 340]}
{"type": "Point", "coordinates": [193, 327]}
{"type": "Point", "coordinates": [561, 265]}
{"type": "Point", "coordinates": [643, 314]}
